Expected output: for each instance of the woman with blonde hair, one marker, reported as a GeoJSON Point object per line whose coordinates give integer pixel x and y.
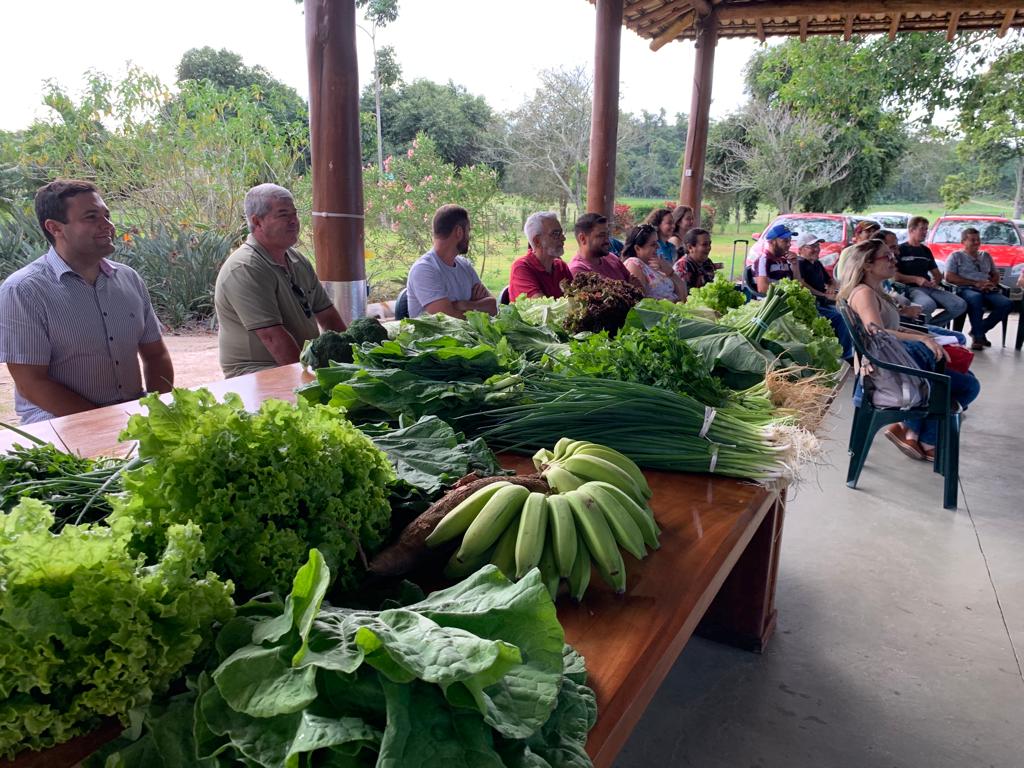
{"type": "Point", "coordinates": [868, 265]}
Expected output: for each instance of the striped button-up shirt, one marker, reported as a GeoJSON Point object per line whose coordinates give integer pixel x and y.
{"type": "Point", "coordinates": [88, 335]}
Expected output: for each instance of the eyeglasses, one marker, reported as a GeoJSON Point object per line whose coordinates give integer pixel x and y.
{"type": "Point", "coordinates": [301, 295]}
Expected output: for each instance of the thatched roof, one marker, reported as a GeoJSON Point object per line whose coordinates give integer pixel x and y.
{"type": "Point", "coordinates": [662, 21]}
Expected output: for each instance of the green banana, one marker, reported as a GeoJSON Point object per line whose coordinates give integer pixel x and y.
{"type": "Point", "coordinates": [492, 521]}
{"type": "Point", "coordinates": [563, 533]}
{"type": "Point", "coordinates": [579, 576]}
{"type": "Point", "coordinates": [616, 581]}
{"type": "Point", "coordinates": [560, 479]}
{"type": "Point", "coordinates": [458, 570]}
{"type": "Point", "coordinates": [619, 520]}
{"type": "Point", "coordinates": [620, 460]}
{"type": "Point", "coordinates": [533, 528]}
{"type": "Point", "coordinates": [559, 449]}
{"type": "Point", "coordinates": [463, 514]}
{"type": "Point", "coordinates": [591, 523]}
{"type": "Point", "coordinates": [642, 516]}
{"type": "Point", "coordinates": [542, 457]}
{"type": "Point", "coordinates": [504, 555]}
{"type": "Point", "coordinates": [594, 468]}
{"type": "Point", "coordinates": [548, 570]}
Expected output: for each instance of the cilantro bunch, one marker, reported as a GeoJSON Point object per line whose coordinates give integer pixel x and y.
{"type": "Point", "coordinates": [265, 487]}
{"type": "Point", "coordinates": [87, 631]}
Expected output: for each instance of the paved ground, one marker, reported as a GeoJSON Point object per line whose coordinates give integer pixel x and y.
{"type": "Point", "coordinates": [901, 625]}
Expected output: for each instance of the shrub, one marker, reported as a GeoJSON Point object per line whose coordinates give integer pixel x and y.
{"type": "Point", "coordinates": [21, 240]}
{"type": "Point", "coordinates": [622, 218]}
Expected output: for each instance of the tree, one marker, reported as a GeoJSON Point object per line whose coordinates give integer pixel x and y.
{"type": "Point", "coordinates": [454, 118]}
{"type": "Point", "coordinates": [545, 143]}
{"type": "Point", "coordinates": [650, 153]}
{"type": "Point", "coordinates": [722, 134]}
{"type": "Point", "coordinates": [991, 120]}
{"type": "Point", "coordinates": [380, 13]}
{"type": "Point", "coordinates": [785, 157]}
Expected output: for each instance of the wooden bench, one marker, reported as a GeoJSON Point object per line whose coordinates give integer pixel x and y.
{"type": "Point", "coordinates": [714, 574]}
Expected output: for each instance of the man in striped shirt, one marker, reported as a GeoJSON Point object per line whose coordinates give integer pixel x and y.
{"type": "Point", "coordinates": [73, 324]}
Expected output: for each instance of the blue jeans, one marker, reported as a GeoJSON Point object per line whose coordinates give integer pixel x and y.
{"type": "Point", "coordinates": [842, 332]}
{"type": "Point", "coordinates": [976, 304]}
{"type": "Point", "coordinates": [964, 389]}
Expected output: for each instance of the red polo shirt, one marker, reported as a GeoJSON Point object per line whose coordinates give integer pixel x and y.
{"type": "Point", "coordinates": [529, 276]}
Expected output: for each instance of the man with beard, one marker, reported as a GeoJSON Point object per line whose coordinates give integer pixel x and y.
{"type": "Point", "coordinates": [73, 324]}
{"type": "Point", "coordinates": [591, 232]}
{"type": "Point", "coordinates": [775, 262]}
{"type": "Point", "coordinates": [268, 298]}
{"type": "Point", "coordinates": [541, 271]}
{"type": "Point", "coordinates": [442, 279]}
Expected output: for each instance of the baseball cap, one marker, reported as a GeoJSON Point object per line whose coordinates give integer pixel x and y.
{"type": "Point", "coordinates": [808, 238]}
{"type": "Point", "coordinates": [778, 231]}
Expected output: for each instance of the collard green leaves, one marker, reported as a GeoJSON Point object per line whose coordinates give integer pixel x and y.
{"type": "Point", "coordinates": [476, 675]}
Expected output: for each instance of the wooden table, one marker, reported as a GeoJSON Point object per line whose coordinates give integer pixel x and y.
{"type": "Point", "coordinates": [714, 574]}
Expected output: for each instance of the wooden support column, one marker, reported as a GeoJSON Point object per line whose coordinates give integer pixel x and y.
{"type": "Point", "coordinates": [604, 122]}
{"type": "Point", "coordinates": [700, 109]}
{"type": "Point", "coordinates": [338, 235]}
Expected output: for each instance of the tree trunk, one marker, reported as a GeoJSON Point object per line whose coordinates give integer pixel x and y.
{"type": "Point", "coordinates": [376, 93]}
{"type": "Point", "coordinates": [563, 203]}
{"type": "Point", "coordinates": [1018, 200]}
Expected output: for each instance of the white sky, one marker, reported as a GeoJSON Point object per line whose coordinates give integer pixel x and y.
{"type": "Point", "coordinates": [495, 48]}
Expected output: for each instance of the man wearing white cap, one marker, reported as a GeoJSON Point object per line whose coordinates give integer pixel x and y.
{"type": "Point", "coordinates": [813, 274]}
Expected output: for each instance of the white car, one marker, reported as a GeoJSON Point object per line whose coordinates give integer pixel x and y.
{"type": "Point", "coordinates": [894, 221]}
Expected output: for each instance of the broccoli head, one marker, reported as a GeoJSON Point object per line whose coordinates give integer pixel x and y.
{"type": "Point", "coordinates": [328, 346]}
{"type": "Point", "coordinates": [367, 329]}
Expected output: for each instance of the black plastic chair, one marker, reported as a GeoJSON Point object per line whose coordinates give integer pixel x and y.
{"type": "Point", "coordinates": [402, 305]}
{"type": "Point", "coordinates": [504, 297]}
{"type": "Point", "coordinates": [959, 322]}
{"type": "Point", "coordinates": [750, 285]}
{"type": "Point", "coordinates": [868, 418]}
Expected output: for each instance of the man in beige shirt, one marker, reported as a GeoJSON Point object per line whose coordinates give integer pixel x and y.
{"type": "Point", "coordinates": [268, 298]}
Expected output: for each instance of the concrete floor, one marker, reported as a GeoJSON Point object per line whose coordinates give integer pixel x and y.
{"type": "Point", "coordinates": [900, 635]}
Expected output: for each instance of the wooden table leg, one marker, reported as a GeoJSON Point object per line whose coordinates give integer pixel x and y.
{"type": "Point", "coordinates": [743, 612]}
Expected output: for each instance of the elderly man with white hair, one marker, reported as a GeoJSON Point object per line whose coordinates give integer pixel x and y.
{"type": "Point", "coordinates": [268, 298]}
{"type": "Point", "coordinates": [540, 272]}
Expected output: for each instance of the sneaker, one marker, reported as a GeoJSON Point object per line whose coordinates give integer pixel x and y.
{"type": "Point", "coordinates": [977, 343]}
{"type": "Point", "coordinates": [986, 342]}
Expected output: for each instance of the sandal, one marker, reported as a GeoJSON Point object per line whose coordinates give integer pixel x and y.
{"type": "Point", "coordinates": [897, 436]}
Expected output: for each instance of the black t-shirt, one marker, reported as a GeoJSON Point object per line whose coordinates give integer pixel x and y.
{"type": "Point", "coordinates": [915, 260]}
{"type": "Point", "coordinates": [813, 273]}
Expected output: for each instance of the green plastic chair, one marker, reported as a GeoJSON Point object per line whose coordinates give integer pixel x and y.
{"type": "Point", "coordinates": [868, 419]}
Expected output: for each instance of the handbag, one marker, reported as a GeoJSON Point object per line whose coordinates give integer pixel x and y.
{"type": "Point", "coordinates": [960, 358]}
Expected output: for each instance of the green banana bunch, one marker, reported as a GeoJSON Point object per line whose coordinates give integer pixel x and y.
{"type": "Point", "coordinates": [598, 507]}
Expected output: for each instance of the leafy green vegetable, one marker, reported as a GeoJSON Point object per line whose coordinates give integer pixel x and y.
{"type": "Point", "coordinates": [442, 358]}
{"type": "Point", "coordinates": [428, 456]}
{"type": "Point", "coordinates": [475, 675]}
{"type": "Point", "coordinates": [264, 486]}
{"type": "Point", "coordinates": [337, 346]}
{"type": "Point", "coordinates": [86, 631]}
{"type": "Point", "coordinates": [719, 295]}
{"type": "Point", "coordinates": [597, 303]}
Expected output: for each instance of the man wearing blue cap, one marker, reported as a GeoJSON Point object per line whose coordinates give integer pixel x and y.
{"type": "Point", "coordinates": [775, 262]}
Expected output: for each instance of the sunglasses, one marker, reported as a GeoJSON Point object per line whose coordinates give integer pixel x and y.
{"type": "Point", "coordinates": [301, 296]}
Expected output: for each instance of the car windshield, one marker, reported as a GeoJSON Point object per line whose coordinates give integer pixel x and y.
{"type": "Point", "coordinates": [891, 221]}
{"type": "Point", "coordinates": [992, 232]}
{"type": "Point", "coordinates": [829, 230]}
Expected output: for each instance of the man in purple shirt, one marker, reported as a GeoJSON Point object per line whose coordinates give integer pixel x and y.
{"type": "Point", "coordinates": [593, 255]}
{"type": "Point", "coordinates": [73, 325]}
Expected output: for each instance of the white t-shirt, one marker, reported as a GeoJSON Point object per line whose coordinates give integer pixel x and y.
{"type": "Point", "coordinates": [430, 280]}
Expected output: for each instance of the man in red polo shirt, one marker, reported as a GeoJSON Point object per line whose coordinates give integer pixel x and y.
{"type": "Point", "coordinates": [540, 272]}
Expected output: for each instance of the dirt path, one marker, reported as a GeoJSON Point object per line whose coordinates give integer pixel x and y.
{"type": "Point", "coordinates": [195, 363]}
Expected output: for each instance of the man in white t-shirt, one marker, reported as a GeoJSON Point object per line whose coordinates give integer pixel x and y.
{"type": "Point", "coordinates": [442, 279]}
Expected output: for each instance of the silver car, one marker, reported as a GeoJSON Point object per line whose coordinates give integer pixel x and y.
{"type": "Point", "coordinates": [894, 221]}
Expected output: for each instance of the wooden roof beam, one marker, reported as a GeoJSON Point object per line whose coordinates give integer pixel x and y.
{"type": "Point", "coordinates": [895, 26]}
{"type": "Point", "coordinates": [702, 7]}
{"type": "Point", "coordinates": [674, 29]}
{"type": "Point", "coordinates": [751, 9]}
{"type": "Point", "coordinates": [803, 29]}
{"type": "Point", "coordinates": [1007, 21]}
{"type": "Point", "coordinates": [760, 29]}
{"type": "Point", "coordinates": [954, 19]}
{"type": "Point", "coordinates": [848, 27]}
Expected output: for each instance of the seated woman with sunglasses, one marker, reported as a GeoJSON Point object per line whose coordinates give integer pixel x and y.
{"type": "Point", "coordinates": [652, 272]}
{"type": "Point", "coordinates": [868, 266]}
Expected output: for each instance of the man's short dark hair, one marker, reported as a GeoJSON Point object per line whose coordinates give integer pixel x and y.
{"type": "Point", "coordinates": [52, 201]}
{"type": "Point", "coordinates": [585, 224]}
{"type": "Point", "coordinates": [969, 231]}
{"type": "Point", "coordinates": [447, 218]}
{"type": "Point", "coordinates": [916, 221]}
